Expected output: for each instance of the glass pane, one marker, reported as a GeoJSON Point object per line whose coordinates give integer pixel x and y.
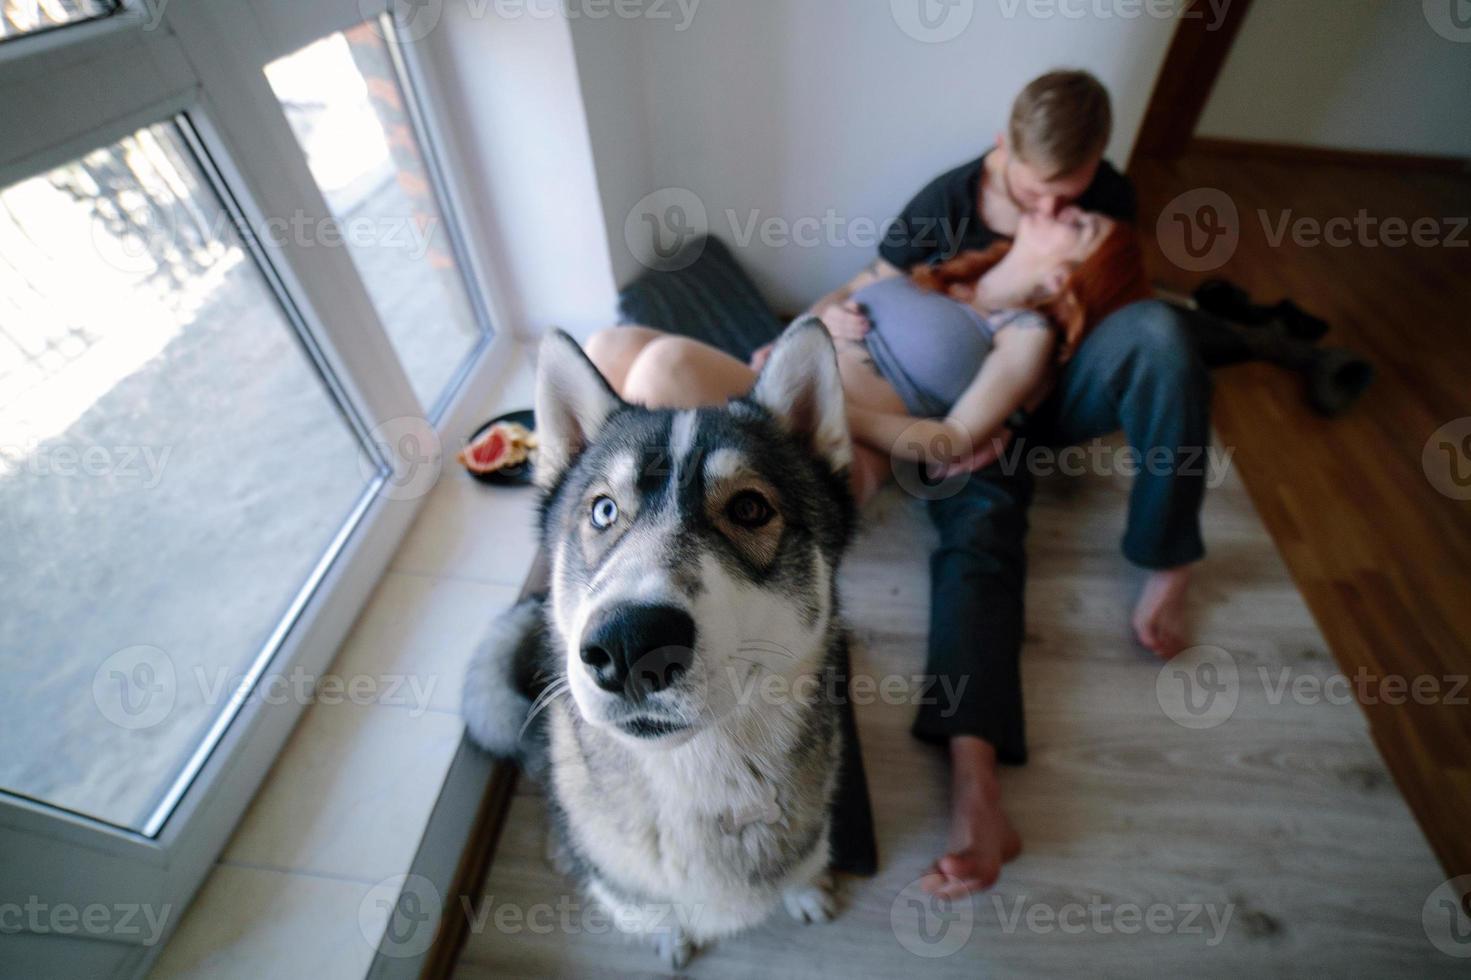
{"type": "Point", "coordinates": [19, 17]}
{"type": "Point", "coordinates": [343, 99]}
{"type": "Point", "coordinates": [173, 471]}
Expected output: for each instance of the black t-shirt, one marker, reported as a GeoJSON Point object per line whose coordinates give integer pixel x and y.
{"type": "Point", "coordinates": [944, 218]}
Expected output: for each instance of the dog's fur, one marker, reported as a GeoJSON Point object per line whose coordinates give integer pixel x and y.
{"type": "Point", "coordinates": [693, 811]}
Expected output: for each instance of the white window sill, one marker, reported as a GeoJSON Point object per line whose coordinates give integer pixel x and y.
{"type": "Point", "coordinates": [305, 886]}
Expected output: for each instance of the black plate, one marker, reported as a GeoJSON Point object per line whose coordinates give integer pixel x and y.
{"type": "Point", "coordinates": [512, 476]}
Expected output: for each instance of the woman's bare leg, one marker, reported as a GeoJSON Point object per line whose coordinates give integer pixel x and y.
{"type": "Point", "coordinates": [871, 470]}
{"type": "Point", "coordinates": [660, 370]}
{"type": "Point", "coordinates": [864, 387]}
{"type": "Point", "coordinates": [615, 349]}
{"type": "Point", "coordinates": [676, 372]}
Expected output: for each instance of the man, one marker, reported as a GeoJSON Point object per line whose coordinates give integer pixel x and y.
{"type": "Point", "coordinates": [1137, 371]}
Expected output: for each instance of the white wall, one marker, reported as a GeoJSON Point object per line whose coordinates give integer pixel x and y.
{"type": "Point", "coordinates": [522, 126]}
{"type": "Point", "coordinates": [1346, 74]}
{"type": "Point", "coordinates": [614, 79]}
{"type": "Point", "coordinates": [796, 108]}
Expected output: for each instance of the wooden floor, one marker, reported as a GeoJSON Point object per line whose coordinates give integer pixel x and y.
{"type": "Point", "coordinates": [1272, 844]}
{"type": "Point", "coordinates": [1382, 558]}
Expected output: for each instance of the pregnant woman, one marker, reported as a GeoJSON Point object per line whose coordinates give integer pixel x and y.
{"type": "Point", "coordinates": [954, 352]}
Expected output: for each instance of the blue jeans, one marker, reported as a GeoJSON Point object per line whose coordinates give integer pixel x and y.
{"type": "Point", "coordinates": [1138, 371]}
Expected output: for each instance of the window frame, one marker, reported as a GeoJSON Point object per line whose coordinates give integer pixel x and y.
{"type": "Point", "coordinates": [122, 11]}
{"type": "Point", "coordinates": [203, 60]}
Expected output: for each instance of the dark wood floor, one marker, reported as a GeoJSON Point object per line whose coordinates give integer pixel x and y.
{"type": "Point", "coordinates": [1381, 556]}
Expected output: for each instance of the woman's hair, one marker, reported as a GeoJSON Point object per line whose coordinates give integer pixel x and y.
{"type": "Point", "coordinates": [1109, 279]}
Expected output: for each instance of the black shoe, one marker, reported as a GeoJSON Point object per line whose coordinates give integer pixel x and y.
{"type": "Point", "coordinates": [1225, 299]}
{"type": "Point", "coordinates": [1337, 379]}
{"type": "Point", "coordinates": [1298, 322]}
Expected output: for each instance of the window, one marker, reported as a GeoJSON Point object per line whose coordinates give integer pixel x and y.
{"type": "Point", "coordinates": [348, 110]}
{"type": "Point", "coordinates": [19, 17]}
{"type": "Point", "coordinates": [203, 420]}
{"type": "Point", "coordinates": [172, 470]}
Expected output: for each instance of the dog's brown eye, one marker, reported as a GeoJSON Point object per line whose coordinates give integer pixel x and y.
{"type": "Point", "coordinates": [604, 513]}
{"type": "Point", "coordinates": [748, 509]}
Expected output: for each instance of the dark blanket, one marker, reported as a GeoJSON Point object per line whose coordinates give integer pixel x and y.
{"type": "Point", "coordinates": [708, 298]}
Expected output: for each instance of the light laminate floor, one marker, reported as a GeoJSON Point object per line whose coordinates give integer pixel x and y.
{"type": "Point", "coordinates": [1271, 844]}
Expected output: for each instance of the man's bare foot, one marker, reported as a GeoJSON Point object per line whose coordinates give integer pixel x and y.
{"type": "Point", "coordinates": [982, 838]}
{"type": "Point", "coordinates": [1159, 618]}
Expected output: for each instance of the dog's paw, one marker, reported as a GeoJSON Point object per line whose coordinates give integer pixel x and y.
{"type": "Point", "coordinates": [675, 948]}
{"type": "Point", "coordinates": [812, 903]}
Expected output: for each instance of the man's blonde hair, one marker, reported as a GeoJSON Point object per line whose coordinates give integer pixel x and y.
{"type": "Point", "coordinates": [1061, 123]}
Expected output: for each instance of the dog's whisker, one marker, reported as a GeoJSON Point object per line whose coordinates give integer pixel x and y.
{"type": "Point", "coordinates": [543, 701]}
{"type": "Point", "coordinates": [531, 716]}
{"type": "Point", "coordinates": [757, 656]}
{"type": "Point", "coordinates": [766, 654]}
{"type": "Point", "coordinates": [545, 696]}
{"type": "Point", "coordinates": [765, 646]}
{"type": "Point", "coordinates": [766, 731]}
{"type": "Point", "coordinates": [753, 660]}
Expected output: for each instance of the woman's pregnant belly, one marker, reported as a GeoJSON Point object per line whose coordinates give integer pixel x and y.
{"type": "Point", "coordinates": [926, 346]}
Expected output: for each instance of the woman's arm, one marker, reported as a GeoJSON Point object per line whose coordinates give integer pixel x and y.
{"type": "Point", "coordinates": [1016, 367]}
{"type": "Point", "coordinates": [875, 271]}
{"type": "Point", "coordinates": [842, 317]}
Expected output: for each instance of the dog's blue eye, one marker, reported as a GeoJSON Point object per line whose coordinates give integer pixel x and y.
{"type": "Point", "coordinates": [748, 509]}
{"type": "Point", "coordinates": [604, 513]}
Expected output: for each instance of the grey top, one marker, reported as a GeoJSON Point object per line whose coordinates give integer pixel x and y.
{"type": "Point", "coordinates": [927, 345]}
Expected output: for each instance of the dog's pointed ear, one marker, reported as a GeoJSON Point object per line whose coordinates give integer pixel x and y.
{"type": "Point", "coordinates": [573, 400]}
{"type": "Point", "coordinates": [801, 386]}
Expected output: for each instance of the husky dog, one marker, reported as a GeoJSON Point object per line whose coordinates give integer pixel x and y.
{"type": "Point", "coordinates": [693, 619]}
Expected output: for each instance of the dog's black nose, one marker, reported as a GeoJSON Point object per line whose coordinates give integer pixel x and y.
{"type": "Point", "coordinates": [636, 649]}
